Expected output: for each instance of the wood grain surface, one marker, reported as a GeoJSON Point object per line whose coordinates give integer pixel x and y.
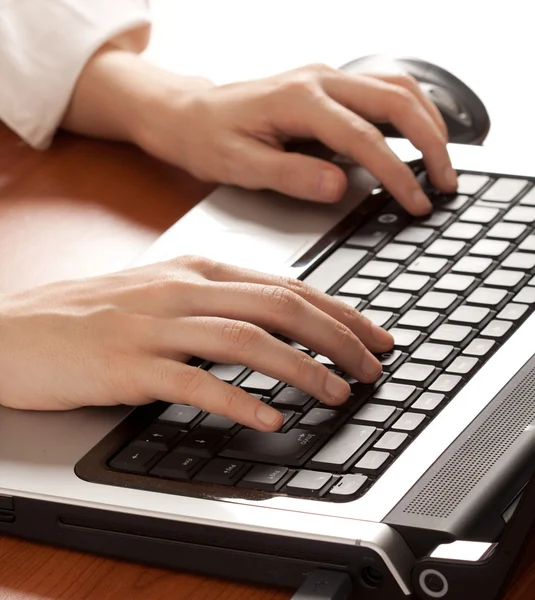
{"type": "Point", "coordinates": [81, 209]}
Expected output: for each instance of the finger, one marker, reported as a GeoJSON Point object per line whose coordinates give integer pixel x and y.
{"type": "Point", "coordinates": [293, 174]}
{"type": "Point", "coordinates": [228, 341]}
{"type": "Point", "coordinates": [281, 310]}
{"type": "Point", "coordinates": [380, 101]}
{"type": "Point", "coordinates": [373, 337]}
{"type": "Point", "coordinates": [178, 383]}
{"type": "Point", "coordinates": [412, 86]}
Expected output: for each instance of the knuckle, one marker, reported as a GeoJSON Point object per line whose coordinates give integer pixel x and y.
{"type": "Point", "coordinates": [305, 366]}
{"type": "Point", "coordinates": [367, 134]}
{"type": "Point", "coordinates": [406, 81]}
{"type": "Point", "coordinates": [282, 299]}
{"type": "Point", "coordinates": [190, 381]}
{"type": "Point", "coordinates": [241, 335]}
{"type": "Point", "coordinates": [343, 333]}
{"type": "Point", "coordinates": [296, 286]}
{"type": "Point", "coordinates": [401, 99]}
{"type": "Point", "coordinates": [230, 403]}
{"type": "Point", "coordinates": [319, 68]}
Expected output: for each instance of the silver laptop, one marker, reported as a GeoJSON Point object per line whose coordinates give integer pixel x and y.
{"type": "Point", "coordinates": [421, 470]}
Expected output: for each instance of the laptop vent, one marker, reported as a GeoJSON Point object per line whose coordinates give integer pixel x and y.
{"type": "Point", "coordinates": [465, 469]}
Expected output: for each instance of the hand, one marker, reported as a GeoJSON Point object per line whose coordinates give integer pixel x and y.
{"type": "Point", "coordinates": [125, 338]}
{"type": "Point", "coordinates": [235, 134]}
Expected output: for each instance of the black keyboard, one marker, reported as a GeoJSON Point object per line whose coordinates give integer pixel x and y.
{"type": "Point", "coordinates": [451, 288]}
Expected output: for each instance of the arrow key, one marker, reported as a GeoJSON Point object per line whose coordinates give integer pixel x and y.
{"type": "Point", "coordinates": [159, 437]}
{"type": "Point", "coordinates": [202, 443]}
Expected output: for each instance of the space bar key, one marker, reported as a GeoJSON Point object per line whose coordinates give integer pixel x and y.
{"type": "Point", "coordinates": [291, 448]}
{"type": "Point", "coordinates": [334, 267]}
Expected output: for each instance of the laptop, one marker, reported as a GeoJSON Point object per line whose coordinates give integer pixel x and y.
{"type": "Point", "coordinates": [409, 488]}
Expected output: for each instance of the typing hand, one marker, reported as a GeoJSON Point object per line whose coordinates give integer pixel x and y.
{"type": "Point", "coordinates": [235, 134]}
{"type": "Point", "coordinates": [124, 338]}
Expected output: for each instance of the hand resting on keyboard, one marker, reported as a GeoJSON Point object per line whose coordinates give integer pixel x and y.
{"type": "Point", "coordinates": [125, 338]}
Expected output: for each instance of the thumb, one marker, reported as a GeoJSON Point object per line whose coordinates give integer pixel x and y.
{"type": "Point", "coordinates": [294, 174]}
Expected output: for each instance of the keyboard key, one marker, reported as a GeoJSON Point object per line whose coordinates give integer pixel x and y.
{"type": "Point", "coordinates": [360, 287]}
{"type": "Point", "coordinates": [321, 419]}
{"type": "Point", "coordinates": [357, 303]}
{"type": "Point", "coordinates": [343, 447]}
{"type": "Point", "coordinates": [479, 347]}
{"type": "Point", "coordinates": [334, 267]}
{"type": "Point", "coordinates": [397, 252]}
{"type": "Point", "coordinates": [391, 360]}
{"type": "Point", "coordinates": [218, 422]}
{"type": "Point", "coordinates": [453, 334]}
{"type": "Point", "coordinates": [415, 373]}
{"type": "Point", "coordinates": [528, 245]}
{"type": "Point", "coordinates": [521, 261]}
{"type": "Point", "coordinates": [134, 459]}
{"type": "Point", "coordinates": [473, 265]}
{"type": "Point", "coordinates": [479, 214]}
{"type": "Point", "coordinates": [308, 483]}
{"type": "Point", "coordinates": [409, 283]}
{"type": "Point", "coordinates": [373, 461]}
{"type": "Point", "coordinates": [398, 394]}
{"type": "Point", "coordinates": [419, 319]}
{"type": "Point", "coordinates": [158, 437]}
{"type": "Point", "coordinates": [463, 231]}
{"type": "Point", "coordinates": [428, 402]}
{"type": "Point", "coordinates": [504, 279]}
{"type": "Point", "coordinates": [428, 265]}
{"type": "Point", "coordinates": [375, 414]}
{"type": "Point", "coordinates": [324, 360]}
{"type": "Point", "coordinates": [520, 214]}
{"type": "Point", "coordinates": [487, 296]}
{"type": "Point", "coordinates": [291, 397]}
{"type": "Point", "coordinates": [177, 466]}
{"type": "Point", "coordinates": [446, 248]}
{"type": "Point", "coordinates": [437, 354]}
{"type": "Point", "coordinates": [228, 373]}
{"type": "Point", "coordinates": [490, 248]}
{"type": "Point", "coordinates": [409, 422]}
{"type": "Point", "coordinates": [202, 442]}
{"type": "Point", "coordinates": [221, 471]}
{"type": "Point", "coordinates": [258, 382]}
{"type": "Point", "coordinates": [525, 296]}
{"type": "Point", "coordinates": [406, 339]}
{"type": "Point", "coordinates": [446, 384]}
{"type": "Point", "coordinates": [367, 238]}
{"type": "Point", "coordinates": [437, 300]}
{"type": "Point", "coordinates": [381, 318]}
{"type": "Point", "coordinates": [504, 190]}
{"type": "Point", "coordinates": [436, 219]}
{"type": "Point", "coordinates": [471, 184]}
{"type": "Point", "coordinates": [455, 203]}
{"type": "Point", "coordinates": [393, 300]}
{"type": "Point", "coordinates": [452, 282]}
{"type": "Point", "coordinates": [470, 315]}
{"type": "Point", "coordinates": [379, 269]}
{"type": "Point", "coordinates": [391, 441]}
{"type": "Point", "coordinates": [289, 448]}
{"type": "Point", "coordinates": [463, 365]}
{"type": "Point", "coordinates": [180, 414]}
{"type": "Point", "coordinates": [264, 477]}
{"type": "Point", "coordinates": [513, 312]}
{"type": "Point", "coordinates": [529, 198]}
{"type": "Point", "coordinates": [507, 231]}
{"type": "Point", "coordinates": [497, 329]}
{"type": "Point", "coordinates": [348, 485]}
{"type": "Point", "coordinates": [415, 235]}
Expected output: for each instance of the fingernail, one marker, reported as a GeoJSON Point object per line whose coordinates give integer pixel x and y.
{"type": "Point", "coordinates": [268, 416]}
{"type": "Point", "coordinates": [421, 202]}
{"type": "Point", "coordinates": [336, 388]}
{"type": "Point", "coordinates": [451, 177]}
{"type": "Point", "coordinates": [329, 185]}
{"type": "Point", "coordinates": [371, 367]}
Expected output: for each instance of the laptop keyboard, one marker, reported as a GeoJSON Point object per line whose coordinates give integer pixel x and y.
{"type": "Point", "coordinates": [451, 288]}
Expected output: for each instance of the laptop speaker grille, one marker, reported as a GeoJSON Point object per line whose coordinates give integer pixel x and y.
{"type": "Point", "coordinates": [465, 469]}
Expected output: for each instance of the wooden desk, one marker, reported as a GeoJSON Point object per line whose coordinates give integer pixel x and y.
{"type": "Point", "coordinates": [81, 209]}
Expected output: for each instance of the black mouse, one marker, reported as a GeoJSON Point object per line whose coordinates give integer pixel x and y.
{"type": "Point", "coordinates": [465, 115]}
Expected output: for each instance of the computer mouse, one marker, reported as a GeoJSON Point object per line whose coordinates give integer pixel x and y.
{"type": "Point", "coordinates": [465, 114]}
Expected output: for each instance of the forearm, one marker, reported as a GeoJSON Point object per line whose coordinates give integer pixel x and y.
{"type": "Point", "coordinates": [116, 90]}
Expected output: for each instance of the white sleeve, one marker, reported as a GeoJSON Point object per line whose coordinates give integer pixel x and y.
{"type": "Point", "coordinates": [44, 45]}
